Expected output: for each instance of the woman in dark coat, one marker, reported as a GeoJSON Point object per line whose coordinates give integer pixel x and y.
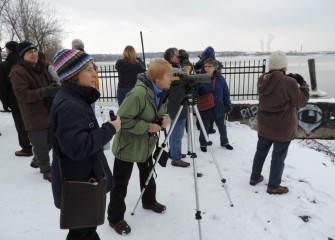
{"type": "Point", "coordinates": [219, 88]}
{"type": "Point", "coordinates": [76, 137]}
{"type": "Point", "coordinates": [128, 68]}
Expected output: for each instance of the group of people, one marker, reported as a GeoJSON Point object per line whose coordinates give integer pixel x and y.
{"type": "Point", "coordinates": [145, 97]}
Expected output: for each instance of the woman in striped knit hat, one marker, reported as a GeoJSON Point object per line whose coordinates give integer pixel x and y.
{"type": "Point", "coordinates": [77, 139]}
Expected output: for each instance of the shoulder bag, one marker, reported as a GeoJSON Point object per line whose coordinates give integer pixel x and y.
{"type": "Point", "coordinates": [83, 204]}
{"type": "Point", "coordinates": [206, 101]}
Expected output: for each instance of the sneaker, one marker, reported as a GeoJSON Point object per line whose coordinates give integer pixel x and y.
{"type": "Point", "coordinates": [254, 182]}
{"type": "Point", "coordinates": [211, 131]}
{"type": "Point", "coordinates": [203, 148]}
{"type": "Point", "coordinates": [227, 145]}
{"type": "Point", "coordinates": [121, 227]}
{"type": "Point", "coordinates": [156, 207]}
{"type": "Point", "coordinates": [22, 153]}
{"type": "Point", "coordinates": [47, 175]}
{"type": "Point", "coordinates": [180, 163]}
{"type": "Point", "coordinates": [33, 163]}
{"type": "Point", "coordinates": [278, 190]}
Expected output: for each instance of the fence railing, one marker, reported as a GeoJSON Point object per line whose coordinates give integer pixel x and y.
{"type": "Point", "coordinates": [241, 77]}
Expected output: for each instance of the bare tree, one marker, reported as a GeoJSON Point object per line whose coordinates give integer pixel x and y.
{"type": "Point", "coordinates": [2, 5]}
{"type": "Point", "coordinates": [32, 21]}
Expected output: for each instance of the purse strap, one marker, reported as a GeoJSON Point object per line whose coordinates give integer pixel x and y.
{"type": "Point", "coordinates": [213, 84]}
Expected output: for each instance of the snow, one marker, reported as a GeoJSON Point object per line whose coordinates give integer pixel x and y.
{"type": "Point", "coordinates": [318, 93]}
{"type": "Point", "coordinates": [27, 210]}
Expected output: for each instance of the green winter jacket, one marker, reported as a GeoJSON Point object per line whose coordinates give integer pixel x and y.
{"type": "Point", "coordinates": [133, 143]}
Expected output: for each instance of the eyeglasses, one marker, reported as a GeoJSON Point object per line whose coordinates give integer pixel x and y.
{"type": "Point", "coordinates": [32, 51]}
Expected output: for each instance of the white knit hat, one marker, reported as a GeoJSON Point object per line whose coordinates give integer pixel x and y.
{"type": "Point", "coordinates": [277, 60]}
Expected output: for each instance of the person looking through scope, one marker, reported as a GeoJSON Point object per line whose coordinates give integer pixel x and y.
{"type": "Point", "coordinates": [176, 94]}
{"type": "Point", "coordinates": [140, 112]}
{"type": "Point", "coordinates": [219, 89]}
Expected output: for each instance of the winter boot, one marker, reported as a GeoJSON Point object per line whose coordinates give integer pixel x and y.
{"type": "Point", "coordinates": [121, 227]}
{"type": "Point", "coordinates": [156, 207]}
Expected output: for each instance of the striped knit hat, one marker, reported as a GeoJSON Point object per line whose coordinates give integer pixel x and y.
{"type": "Point", "coordinates": [68, 62]}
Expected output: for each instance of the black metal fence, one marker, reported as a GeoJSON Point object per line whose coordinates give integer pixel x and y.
{"type": "Point", "coordinates": [241, 77]}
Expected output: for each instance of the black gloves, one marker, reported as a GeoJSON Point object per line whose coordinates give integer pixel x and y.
{"type": "Point", "coordinates": [229, 108]}
{"type": "Point", "coordinates": [52, 90]}
{"type": "Point", "coordinates": [297, 77]}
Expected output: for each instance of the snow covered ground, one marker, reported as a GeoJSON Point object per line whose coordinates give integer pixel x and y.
{"type": "Point", "coordinates": [27, 210]}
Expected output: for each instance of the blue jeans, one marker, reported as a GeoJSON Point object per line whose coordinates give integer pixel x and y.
{"type": "Point", "coordinates": [279, 154]}
{"type": "Point", "coordinates": [207, 118]}
{"type": "Point", "coordinates": [121, 94]}
{"type": "Point", "coordinates": [176, 139]}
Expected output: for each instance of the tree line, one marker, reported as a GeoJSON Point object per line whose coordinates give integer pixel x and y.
{"type": "Point", "coordinates": [32, 21]}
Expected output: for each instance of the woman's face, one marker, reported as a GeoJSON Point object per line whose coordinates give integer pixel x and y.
{"type": "Point", "coordinates": [209, 68]}
{"type": "Point", "coordinates": [164, 82]}
{"type": "Point", "coordinates": [87, 75]}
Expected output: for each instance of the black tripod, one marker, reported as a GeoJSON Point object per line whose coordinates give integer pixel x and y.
{"type": "Point", "coordinates": [189, 102]}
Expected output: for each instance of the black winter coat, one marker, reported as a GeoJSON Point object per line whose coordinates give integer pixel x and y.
{"type": "Point", "coordinates": [6, 90]}
{"type": "Point", "coordinates": [77, 138]}
{"type": "Point", "coordinates": [128, 72]}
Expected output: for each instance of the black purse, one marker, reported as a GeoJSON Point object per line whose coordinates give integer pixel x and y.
{"type": "Point", "coordinates": [83, 204]}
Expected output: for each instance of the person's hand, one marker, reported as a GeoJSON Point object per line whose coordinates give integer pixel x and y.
{"type": "Point", "coordinates": [298, 78]}
{"type": "Point", "coordinates": [52, 90]}
{"type": "Point", "coordinates": [153, 128]}
{"type": "Point", "coordinates": [116, 123]}
{"type": "Point", "coordinates": [165, 122]}
{"type": "Point", "coordinates": [229, 108]}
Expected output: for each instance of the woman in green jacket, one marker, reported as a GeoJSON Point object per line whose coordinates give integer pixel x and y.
{"type": "Point", "coordinates": [143, 115]}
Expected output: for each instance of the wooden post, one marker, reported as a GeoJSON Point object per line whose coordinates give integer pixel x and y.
{"type": "Point", "coordinates": [311, 68]}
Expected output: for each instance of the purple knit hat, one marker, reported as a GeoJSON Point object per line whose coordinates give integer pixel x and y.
{"type": "Point", "coordinates": [68, 62]}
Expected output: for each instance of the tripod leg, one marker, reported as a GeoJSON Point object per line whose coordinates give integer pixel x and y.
{"type": "Point", "coordinates": [196, 110]}
{"type": "Point", "coordinates": [194, 156]}
{"type": "Point", "coordinates": [188, 131]}
{"type": "Point", "coordinates": [158, 157]}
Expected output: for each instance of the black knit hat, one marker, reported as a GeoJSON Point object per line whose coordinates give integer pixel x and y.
{"type": "Point", "coordinates": [12, 46]}
{"type": "Point", "coordinates": [24, 47]}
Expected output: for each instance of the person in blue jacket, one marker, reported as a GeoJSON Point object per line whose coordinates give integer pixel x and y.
{"type": "Point", "coordinates": [219, 88]}
{"type": "Point", "coordinates": [76, 137]}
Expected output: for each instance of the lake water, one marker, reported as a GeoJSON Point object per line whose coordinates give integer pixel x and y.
{"type": "Point", "coordinates": [324, 67]}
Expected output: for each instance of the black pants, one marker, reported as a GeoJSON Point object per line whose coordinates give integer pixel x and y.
{"type": "Point", "coordinates": [83, 234]}
{"type": "Point", "coordinates": [21, 132]}
{"type": "Point", "coordinates": [122, 172]}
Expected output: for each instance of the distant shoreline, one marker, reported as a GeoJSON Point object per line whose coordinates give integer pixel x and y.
{"type": "Point", "coordinates": [195, 54]}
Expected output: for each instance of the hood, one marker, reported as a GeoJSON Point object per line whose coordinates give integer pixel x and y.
{"type": "Point", "coordinates": [268, 82]}
{"type": "Point", "coordinates": [143, 78]}
{"type": "Point", "coordinates": [208, 53]}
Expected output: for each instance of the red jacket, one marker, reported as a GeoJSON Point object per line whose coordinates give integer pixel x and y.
{"type": "Point", "coordinates": [279, 98]}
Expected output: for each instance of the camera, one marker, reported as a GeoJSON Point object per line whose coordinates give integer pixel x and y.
{"type": "Point", "coordinates": [297, 77]}
{"type": "Point", "coordinates": [159, 121]}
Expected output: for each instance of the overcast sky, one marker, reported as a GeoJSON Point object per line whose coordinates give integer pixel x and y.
{"type": "Point", "coordinates": [107, 26]}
